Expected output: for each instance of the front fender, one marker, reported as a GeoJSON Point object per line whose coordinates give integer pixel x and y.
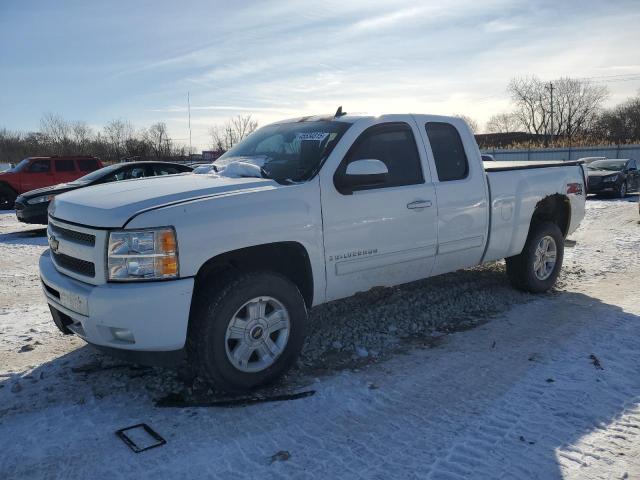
{"type": "Point", "coordinates": [210, 227]}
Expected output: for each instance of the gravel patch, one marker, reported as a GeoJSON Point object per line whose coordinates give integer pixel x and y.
{"type": "Point", "coordinates": [379, 322]}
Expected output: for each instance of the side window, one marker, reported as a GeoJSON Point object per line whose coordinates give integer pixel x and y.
{"type": "Point", "coordinates": [40, 166]}
{"type": "Point", "coordinates": [135, 172]}
{"type": "Point", "coordinates": [87, 165]}
{"type": "Point", "coordinates": [64, 166]}
{"type": "Point", "coordinates": [165, 170]}
{"type": "Point", "coordinates": [448, 151]}
{"type": "Point", "coordinates": [632, 164]}
{"type": "Point", "coordinates": [114, 177]}
{"type": "Point", "coordinates": [395, 146]}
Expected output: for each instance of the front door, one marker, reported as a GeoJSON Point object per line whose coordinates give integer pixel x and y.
{"type": "Point", "coordinates": [38, 174]}
{"type": "Point", "coordinates": [382, 234]}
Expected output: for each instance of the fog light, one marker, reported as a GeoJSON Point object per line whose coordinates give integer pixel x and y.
{"type": "Point", "coordinates": [123, 334]}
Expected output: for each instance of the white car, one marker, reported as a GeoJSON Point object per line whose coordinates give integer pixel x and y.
{"type": "Point", "coordinates": [221, 269]}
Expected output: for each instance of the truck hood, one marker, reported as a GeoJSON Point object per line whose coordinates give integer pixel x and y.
{"type": "Point", "coordinates": [112, 205]}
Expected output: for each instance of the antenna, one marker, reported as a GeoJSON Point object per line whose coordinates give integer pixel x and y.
{"type": "Point", "coordinates": [189, 110]}
{"type": "Point", "coordinates": [339, 112]}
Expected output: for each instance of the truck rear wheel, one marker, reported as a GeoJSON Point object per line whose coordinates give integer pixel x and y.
{"type": "Point", "coordinates": [536, 269]}
{"type": "Point", "coordinates": [7, 197]}
{"type": "Point", "coordinates": [248, 332]}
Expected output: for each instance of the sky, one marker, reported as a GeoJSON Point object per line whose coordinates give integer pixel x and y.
{"type": "Point", "coordinates": [137, 60]}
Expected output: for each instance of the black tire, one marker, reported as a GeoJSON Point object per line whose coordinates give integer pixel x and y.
{"type": "Point", "coordinates": [211, 315]}
{"type": "Point", "coordinates": [7, 197]}
{"type": "Point", "coordinates": [622, 190]}
{"type": "Point", "coordinates": [520, 268]}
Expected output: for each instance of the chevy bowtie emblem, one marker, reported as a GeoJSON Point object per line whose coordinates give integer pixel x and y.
{"type": "Point", "coordinates": [54, 243]}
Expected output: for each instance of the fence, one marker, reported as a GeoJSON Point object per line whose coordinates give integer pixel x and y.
{"type": "Point", "coordinates": [616, 151]}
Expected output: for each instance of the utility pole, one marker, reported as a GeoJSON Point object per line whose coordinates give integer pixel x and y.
{"type": "Point", "coordinates": [551, 89]}
{"type": "Point", "coordinates": [189, 110]}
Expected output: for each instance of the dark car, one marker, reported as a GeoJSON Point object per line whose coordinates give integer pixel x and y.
{"type": "Point", "coordinates": [615, 177]}
{"type": "Point", "coordinates": [31, 207]}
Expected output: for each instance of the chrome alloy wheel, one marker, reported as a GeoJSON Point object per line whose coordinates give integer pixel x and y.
{"type": "Point", "coordinates": [545, 258]}
{"type": "Point", "coordinates": [257, 334]}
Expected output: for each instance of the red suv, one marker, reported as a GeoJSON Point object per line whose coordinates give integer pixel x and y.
{"type": "Point", "coordinates": [38, 172]}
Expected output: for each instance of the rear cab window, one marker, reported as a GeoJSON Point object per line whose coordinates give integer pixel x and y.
{"type": "Point", "coordinates": [448, 151]}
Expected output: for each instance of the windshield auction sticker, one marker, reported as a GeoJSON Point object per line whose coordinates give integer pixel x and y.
{"type": "Point", "coordinates": [312, 136]}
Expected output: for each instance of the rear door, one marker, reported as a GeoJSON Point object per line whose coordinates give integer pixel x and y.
{"type": "Point", "coordinates": [385, 234]}
{"type": "Point", "coordinates": [461, 191]}
{"type": "Point", "coordinates": [65, 170]}
{"type": "Point", "coordinates": [38, 174]}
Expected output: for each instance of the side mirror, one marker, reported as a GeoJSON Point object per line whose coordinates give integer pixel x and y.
{"type": "Point", "coordinates": [362, 174]}
{"type": "Point", "coordinates": [367, 167]}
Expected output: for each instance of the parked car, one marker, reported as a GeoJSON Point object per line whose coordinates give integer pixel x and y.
{"type": "Point", "coordinates": [222, 269]}
{"type": "Point", "coordinates": [616, 177]}
{"type": "Point", "coordinates": [39, 172]}
{"type": "Point", "coordinates": [31, 207]}
{"type": "Point", "coordinates": [486, 157]}
{"type": "Point", "coordinates": [588, 160]}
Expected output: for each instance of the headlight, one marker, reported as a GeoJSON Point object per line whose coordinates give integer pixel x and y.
{"type": "Point", "coordinates": [610, 179]}
{"type": "Point", "coordinates": [40, 199]}
{"type": "Point", "coordinates": [142, 255]}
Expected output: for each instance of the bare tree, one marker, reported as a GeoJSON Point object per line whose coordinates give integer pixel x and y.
{"type": "Point", "coordinates": [117, 133]}
{"type": "Point", "coordinates": [81, 136]}
{"type": "Point", "coordinates": [473, 124]}
{"type": "Point", "coordinates": [503, 123]}
{"type": "Point", "coordinates": [620, 124]}
{"type": "Point", "coordinates": [158, 138]}
{"type": "Point", "coordinates": [532, 103]}
{"type": "Point", "coordinates": [226, 135]}
{"type": "Point", "coordinates": [57, 132]}
{"type": "Point", "coordinates": [576, 105]}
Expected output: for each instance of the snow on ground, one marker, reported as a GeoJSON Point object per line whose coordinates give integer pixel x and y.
{"type": "Point", "coordinates": [521, 386]}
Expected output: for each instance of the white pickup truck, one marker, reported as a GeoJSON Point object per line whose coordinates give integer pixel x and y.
{"type": "Point", "coordinates": [221, 269]}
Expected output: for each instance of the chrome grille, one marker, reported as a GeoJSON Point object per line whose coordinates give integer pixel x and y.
{"type": "Point", "coordinates": [78, 251]}
{"type": "Point", "coordinates": [81, 267]}
{"type": "Point", "coordinates": [73, 235]}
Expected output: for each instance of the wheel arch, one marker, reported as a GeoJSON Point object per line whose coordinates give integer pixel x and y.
{"type": "Point", "coordinates": [289, 259]}
{"type": "Point", "coordinates": [554, 208]}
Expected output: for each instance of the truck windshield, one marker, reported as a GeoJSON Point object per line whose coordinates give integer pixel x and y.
{"type": "Point", "coordinates": [285, 152]}
{"type": "Point", "coordinates": [20, 166]}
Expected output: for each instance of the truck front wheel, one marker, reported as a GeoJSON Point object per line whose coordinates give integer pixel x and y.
{"type": "Point", "coordinates": [536, 269]}
{"type": "Point", "coordinates": [7, 197]}
{"type": "Point", "coordinates": [248, 332]}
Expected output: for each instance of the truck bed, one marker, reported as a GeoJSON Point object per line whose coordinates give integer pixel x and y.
{"type": "Point", "coordinates": [503, 166]}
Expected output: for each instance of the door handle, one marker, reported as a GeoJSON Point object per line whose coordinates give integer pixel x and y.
{"type": "Point", "coordinates": [419, 204]}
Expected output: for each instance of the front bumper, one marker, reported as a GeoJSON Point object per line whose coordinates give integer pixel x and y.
{"type": "Point", "coordinates": [136, 317]}
{"type": "Point", "coordinates": [36, 213]}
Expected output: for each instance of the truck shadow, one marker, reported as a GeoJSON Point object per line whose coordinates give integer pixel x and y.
{"type": "Point", "coordinates": [604, 391]}
{"type": "Point", "coordinates": [35, 236]}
